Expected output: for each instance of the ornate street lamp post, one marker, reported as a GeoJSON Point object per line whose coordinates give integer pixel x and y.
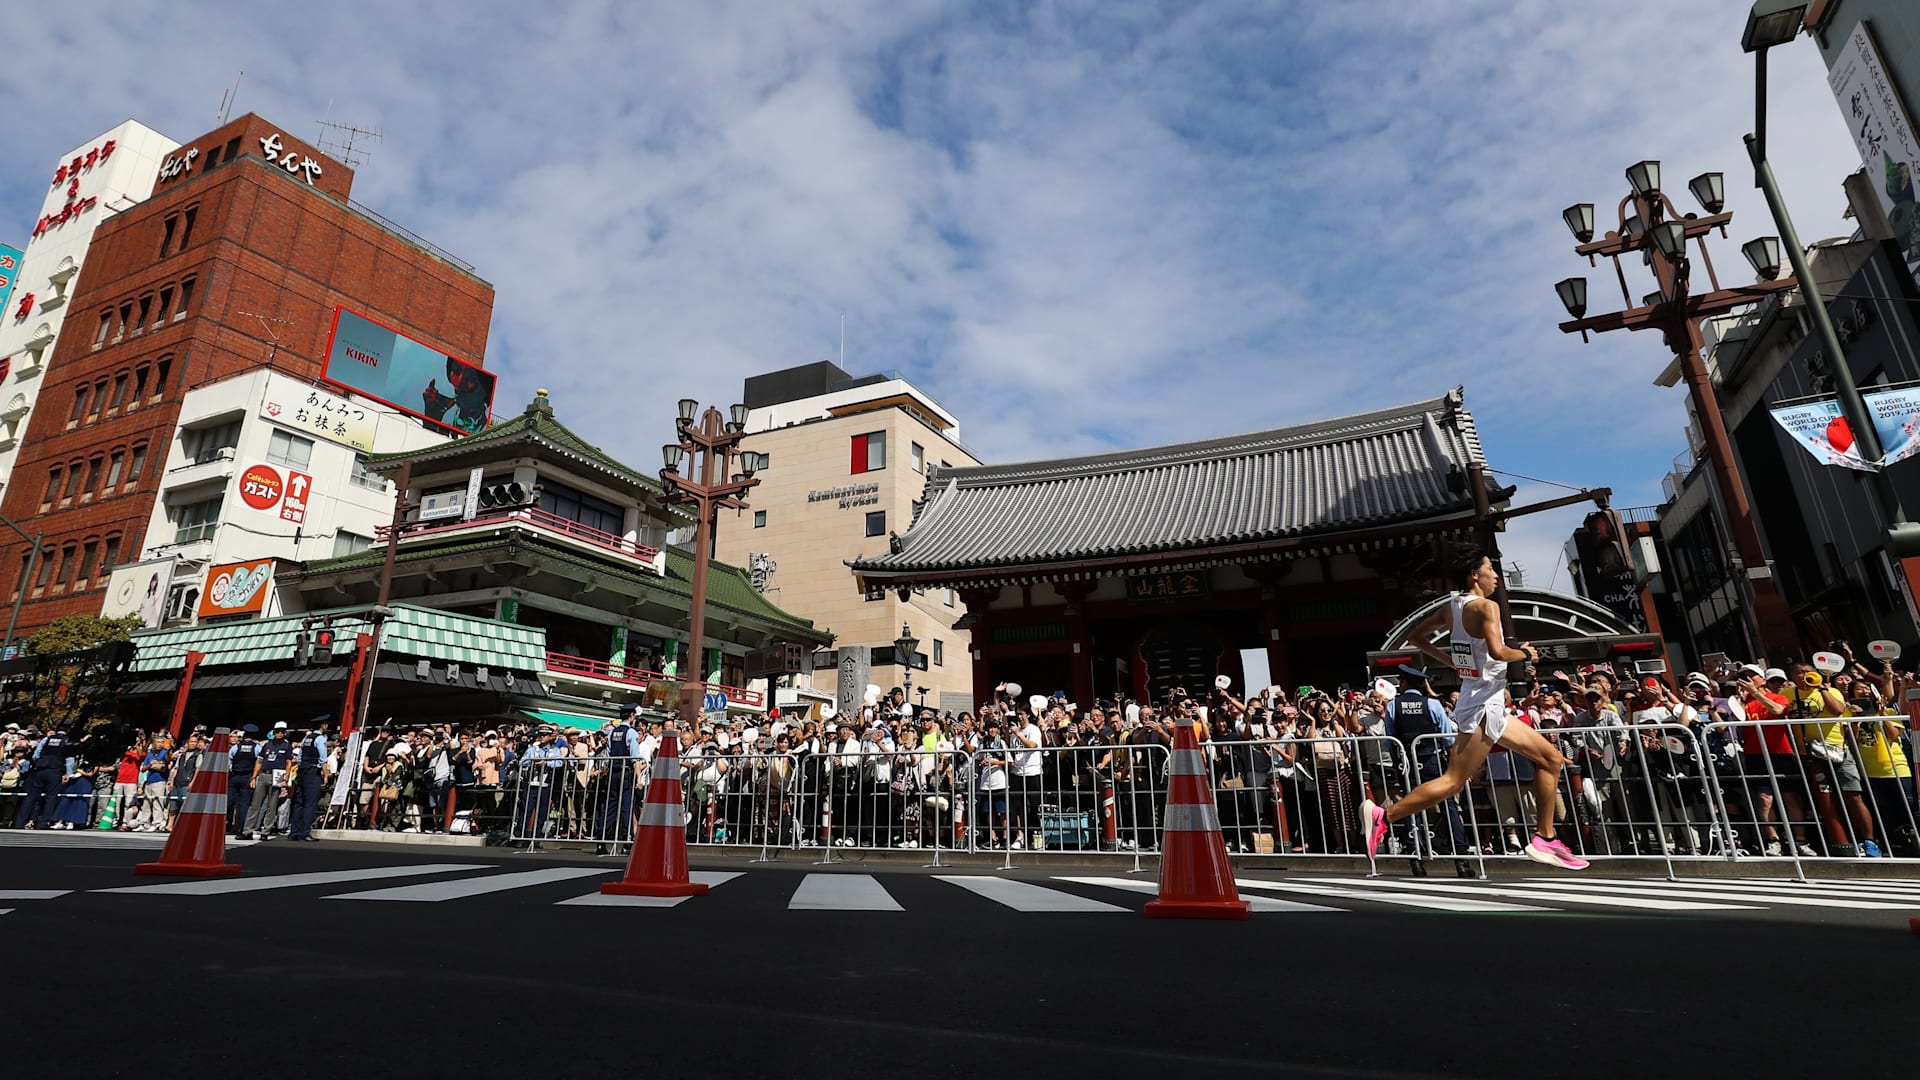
{"type": "Point", "coordinates": [1650, 226]}
{"type": "Point", "coordinates": [905, 647]}
{"type": "Point", "coordinates": [710, 444]}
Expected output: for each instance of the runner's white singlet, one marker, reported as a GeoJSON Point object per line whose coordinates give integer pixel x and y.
{"type": "Point", "coordinates": [1483, 680]}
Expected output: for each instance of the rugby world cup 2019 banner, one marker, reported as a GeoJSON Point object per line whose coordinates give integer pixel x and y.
{"type": "Point", "coordinates": [1823, 430]}
{"type": "Point", "coordinates": [446, 392]}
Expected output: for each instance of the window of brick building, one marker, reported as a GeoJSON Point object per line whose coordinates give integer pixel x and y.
{"type": "Point", "coordinates": [186, 227]}
{"type": "Point", "coordinates": [53, 486]}
{"type": "Point", "coordinates": [110, 555]}
{"type": "Point", "coordinates": [186, 299]}
{"type": "Point", "coordinates": [136, 463]}
{"type": "Point", "coordinates": [96, 468]}
{"type": "Point", "coordinates": [106, 324]}
{"type": "Point", "coordinates": [89, 556]}
{"type": "Point", "coordinates": [76, 472]}
{"type": "Point", "coordinates": [79, 405]}
{"type": "Point", "coordinates": [166, 237]}
{"type": "Point", "coordinates": [877, 523]}
{"type": "Point", "coordinates": [116, 465]}
{"type": "Point", "coordinates": [119, 397]}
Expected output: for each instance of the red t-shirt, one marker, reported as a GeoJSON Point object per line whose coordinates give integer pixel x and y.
{"type": "Point", "coordinates": [1778, 739]}
{"type": "Point", "coordinates": [129, 770]}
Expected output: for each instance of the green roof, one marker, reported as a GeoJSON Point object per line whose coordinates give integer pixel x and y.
{"type": "Point", "coordinates": [536, 425]}
{"type": "Point", "coordinates": [411, 631]}
{"type": "Point", "coordinates": [728, 586]}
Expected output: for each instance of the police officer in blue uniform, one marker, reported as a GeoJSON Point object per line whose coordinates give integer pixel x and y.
{"type": "Point", "coordinates": [1416, 713]}
{"type": "Point", "coordinates": [312, 760]}
{"type": "Point", "coordinates": [240, 764]}
{"type": "Point", "coordinates": [623, 750]}
{"type": "Point", "coordinates": [48, 767]}
{"type": "Point", "coordinates": [269, 772]}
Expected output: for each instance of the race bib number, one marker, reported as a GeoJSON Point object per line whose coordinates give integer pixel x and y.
{"type": "Point", "coordinates": [1463, 660]}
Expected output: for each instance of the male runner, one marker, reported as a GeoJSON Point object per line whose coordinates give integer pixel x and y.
{"type": "Point", "coordinates": [1479, 653]}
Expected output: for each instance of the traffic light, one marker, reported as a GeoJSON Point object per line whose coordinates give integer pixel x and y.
{"type": "Point", "coordinates": [302, 648]}
{"type": "Point", "coordinates": [322, 646]}
{"type": "Point", "coordinates": [499, 496]}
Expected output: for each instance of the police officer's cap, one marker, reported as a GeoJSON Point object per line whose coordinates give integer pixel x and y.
{"type": "Point", "coordinates": [249, 729]}
{"type": "Point", "coordinates": [628, 710]}
{"type": "Point", "coordinates": [1413, 671]}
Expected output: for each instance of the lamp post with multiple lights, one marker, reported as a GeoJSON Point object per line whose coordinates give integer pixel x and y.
{"type": "Point", "coordinates": [1651, 226]}
{"type": "Point", "coordinates": [710, 444]}
{"type": "Point", "coordinates": [1772, 23]}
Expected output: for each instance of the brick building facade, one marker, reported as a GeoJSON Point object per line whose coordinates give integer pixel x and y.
{"type": "Point", "coordinates": [237, 260]}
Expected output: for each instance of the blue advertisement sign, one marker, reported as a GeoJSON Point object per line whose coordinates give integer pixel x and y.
{"type": "Point", "coordinates": [9, 272]}
{"type": "Point", "coordinates": [444, 391]}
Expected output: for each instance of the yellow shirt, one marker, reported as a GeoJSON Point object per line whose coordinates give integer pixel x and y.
{"type": "Point", "coordinates": [1819, 704]}
{"type": "Point", "coordinates": [1881, 755]}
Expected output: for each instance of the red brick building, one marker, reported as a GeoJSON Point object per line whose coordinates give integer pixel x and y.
{"type": "Point", "coordinates": [237, 260]}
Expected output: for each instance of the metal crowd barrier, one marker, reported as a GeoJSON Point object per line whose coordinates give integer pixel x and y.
{"type": "Point", "coordinates": [1819, 789]}
{"type": "Point", "coordinates": [1643, 791]}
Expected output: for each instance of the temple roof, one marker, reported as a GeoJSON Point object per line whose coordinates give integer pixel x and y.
{"type": "Point", "coordinates": [1388, 466]}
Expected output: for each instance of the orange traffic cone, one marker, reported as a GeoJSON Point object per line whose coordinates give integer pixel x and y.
{"type": "Point", "coordinates": [658, 864]}
{"type": "Point", "coordinates": [198, 845]}
{"type": "Point", "coordinates": [1196, 881]}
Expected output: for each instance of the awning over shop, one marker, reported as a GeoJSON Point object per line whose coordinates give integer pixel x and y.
{"type": "Point", "coordinates": [560, 718]}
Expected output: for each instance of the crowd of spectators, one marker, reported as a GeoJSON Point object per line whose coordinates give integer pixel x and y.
{"type": "Point", "coordinates": [1740, 760]}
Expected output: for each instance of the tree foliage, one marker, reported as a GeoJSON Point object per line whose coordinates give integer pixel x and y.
{"type": "Point", "coordinates": [70, 693]}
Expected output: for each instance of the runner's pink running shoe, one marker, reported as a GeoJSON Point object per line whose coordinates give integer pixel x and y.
{"type": "Point", "coordinates": [1554, 853]}
{"type": "Point", "coordinates": [1373, 826]}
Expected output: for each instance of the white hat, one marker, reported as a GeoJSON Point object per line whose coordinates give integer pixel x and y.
{"type": "Point", "coordinates": [280, 725]}
{"type": "Point", "coordinates": [1775, 673]}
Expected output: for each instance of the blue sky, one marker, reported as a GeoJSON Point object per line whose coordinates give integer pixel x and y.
{"type": "Point", "coordinates": [1080, 226]}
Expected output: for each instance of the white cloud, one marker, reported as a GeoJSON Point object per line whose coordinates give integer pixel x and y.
{"type": "Point", "coordinates": [1080, 227]}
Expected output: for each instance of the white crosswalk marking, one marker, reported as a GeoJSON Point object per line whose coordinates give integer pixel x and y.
{"type": "Point", "coordinates": [435, 891]}
{"type": "Point", "coordinates": [6, 911]}
{"type": "Point", "coordinates": [1525, 891]}
{"type": "Point", "coordinates": [32, 894]}
{"type": "Point", "coordinates": [1263, 904]}
{"type": "Point", "coordinates": [293, 881]}
{"type": "Point", "coordinates": [91, 840]}
{"type": "Point", "coordinates": [709, 878]}
{"type": "Point", "coordinates": [1022, 896]}
{"type": "Point", "coordinates": [1778, 895]}
{"type": "Point", "coordinates": [842, 892]}
{"type": "Point", "coordinates": [1419, 900]}
{"type": "Point", "coordinates": [1881, 891]}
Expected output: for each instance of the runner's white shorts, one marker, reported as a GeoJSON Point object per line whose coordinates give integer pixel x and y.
{"type": "Point", "coordinates": [1492, 716]}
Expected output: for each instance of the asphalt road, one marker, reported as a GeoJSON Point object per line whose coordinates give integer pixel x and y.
{"type": "Point", "coordinates": [424, 962]}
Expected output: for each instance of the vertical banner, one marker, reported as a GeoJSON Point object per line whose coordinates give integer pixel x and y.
{"type": "Point", "coordinates": [1896, 417]}
{"type": "Point", "coordinates": [617, 656]}
{"type": "Point", "coordinates": [1822, 431]}
{"type": "Point", "coordinates": [472, 505]}
{"type": "Point", "coordinates": [509, 610]}
{"type": "Point", "coordinates": [1883, 132]}
{"type": "Point", "coordinates": [1258, 676]}
{"type": "Point", "coordinates": [9, 272]}
{"type": "Point", "coordinates": [349, 768]}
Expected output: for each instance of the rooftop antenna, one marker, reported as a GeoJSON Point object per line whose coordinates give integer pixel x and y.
{"type": "Point", "coordinates": [226, 102]}
{"type": "Point", "coordinates": [267, 323]}
{"type": "Point", "coordinates": [343, 143]}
